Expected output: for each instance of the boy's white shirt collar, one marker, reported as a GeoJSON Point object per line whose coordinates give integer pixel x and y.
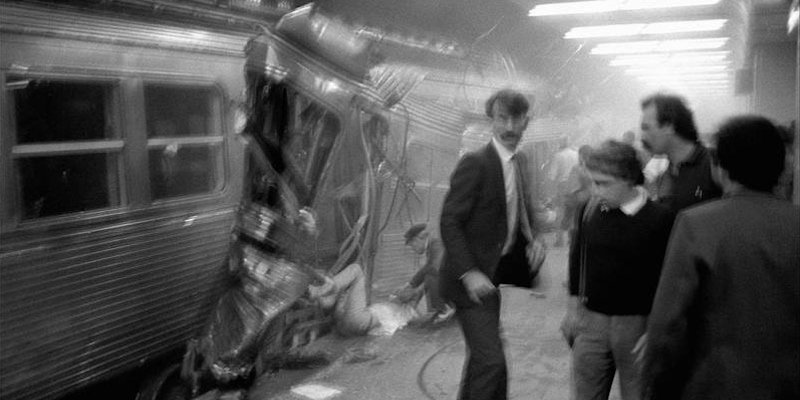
{"type": "Point", "coordinates": [632, 206]}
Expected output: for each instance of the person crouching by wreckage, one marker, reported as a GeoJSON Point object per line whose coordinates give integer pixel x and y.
{"type": "Point", "coordinates": [426, 280]}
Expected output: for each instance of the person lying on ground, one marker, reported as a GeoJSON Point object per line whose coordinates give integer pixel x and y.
{"type": "Point", "coordinates": [346, 294]}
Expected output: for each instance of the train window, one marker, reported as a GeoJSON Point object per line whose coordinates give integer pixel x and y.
{"type": "Point", "coordinates": [184, 140]}
{"type": "Point", "coordinates": [53, 111]}
{"type": "Point", "coordinates": [66, 152]}
{"type": "Point", "coordinates": [65, 184]}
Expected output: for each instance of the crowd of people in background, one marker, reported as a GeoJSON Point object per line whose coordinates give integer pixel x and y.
{"type": "Point", "coordinates": [684, 258]}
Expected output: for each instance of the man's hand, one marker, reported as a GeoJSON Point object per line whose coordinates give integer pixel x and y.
{"type": "Point", "coordinates": [405, 293]}
{"type": "Point", "coordinates": [478, 285]}
{"type": "Point", "coordinates": [571, 322]}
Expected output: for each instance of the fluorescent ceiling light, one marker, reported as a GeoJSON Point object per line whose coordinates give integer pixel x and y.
{"type": "Point", "coordinates": [670, 59]}
{"type": "Point", "coordinates": [601, 6]}
{"type": "Point", "coordinates": [658, 46]}
{"type": "Point", "coordinates": [710, 85]}
{"type": "Point", "coordinates": [655, 28]}
{"type": "Point", "coordinates": [710, 76]}
{"type": "Point", "coordinates": [706, 25]}
{"type": "Point", "coordinates": [689, 87]}
{"type": "Point", "coordinates": [676, 70]}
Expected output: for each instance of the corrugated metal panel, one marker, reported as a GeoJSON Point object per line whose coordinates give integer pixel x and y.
{"type": "Point", "coordinates": [18, 18]}
{"type": "Point", "coordinates": [435, 132]}
{"type": "Point", "coordinates": [435, 119]}
{"type": "Point", "coordinates": [96, 302]}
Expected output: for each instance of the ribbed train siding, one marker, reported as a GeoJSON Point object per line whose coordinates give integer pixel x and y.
{"type": "Point", "coordinates": [33, 20]}
{"type": "Point", "coordinates": [95, 302]}
{"type": "Point", "coordinates": [395, 264]}
{"type": "Point", "coordinates": [434, 140]}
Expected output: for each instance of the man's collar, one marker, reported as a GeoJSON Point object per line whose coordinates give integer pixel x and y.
{"type": "Point", "coordinates": [635, 204]}
{"type": "Point", "coordinates": [502, 151]}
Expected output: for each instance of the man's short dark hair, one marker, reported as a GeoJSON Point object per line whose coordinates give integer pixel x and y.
{"type": "Point", "coordinates": [414, 231]}
{"type": "Point", "coordinates": [516, 103]}
{"type": "Point", "coordinates": [617, 159]}
{"type": "Point", "coordinates": [751, 149]}
{"type": "Point", "coordinates": [671, 109]}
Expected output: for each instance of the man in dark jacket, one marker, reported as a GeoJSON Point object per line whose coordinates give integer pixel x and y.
{"type": "Point", "coordinates": [668, 129]}
{"type": "Point", "coordinates": [614, 263]}
{"type": "Point", "coordinates": [725, 322]}
{"type": "Point", "coordinates": [489, 237]}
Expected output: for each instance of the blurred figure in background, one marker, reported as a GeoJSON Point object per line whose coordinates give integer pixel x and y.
{"type": "Point", "coordinates": [668, 129]}
{"type": "Point", "coordinates": [629, 137]}
{"type": "Point", "coordinates": [614, 265]}
{"type": "Point", "coordinates": [578, 189]}
{"type": "Point", "coordinates": [564, 161]}
{"type": "Point", "coordinates": [725, 322]}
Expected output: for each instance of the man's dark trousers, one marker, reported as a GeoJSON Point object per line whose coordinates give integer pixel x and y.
{"type": "Point", "coordinates": [486, 374]}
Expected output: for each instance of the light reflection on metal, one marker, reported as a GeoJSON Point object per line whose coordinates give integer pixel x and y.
{"type": "Point", "coordinates": [276, 72]}
{"type": "Point", "coordinates": [441, 46]}
{"type": "Point", "coordinates": [656, 46]}
{"type": "Point", "coordinates": [655, 28]}
{"type": "Point", "coordinates": [327, 86]}
{"type": "Point", "coordinates": [393, 82]}
{"type": "Point", "coordinates": [337, 33]}
{"type": "Point", "coordinates": [602, 6]}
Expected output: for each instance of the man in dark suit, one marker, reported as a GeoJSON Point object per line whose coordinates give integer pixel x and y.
{"type": "Point", "coordinates": [489, 237]}
{"type": "Point", "coordinates": [725, 322]}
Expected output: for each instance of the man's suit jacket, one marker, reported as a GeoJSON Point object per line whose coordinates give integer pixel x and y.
{"type": "Point", "coordinates": [725, 322]}
{"type": "Point", "coordinates": [474, 226]}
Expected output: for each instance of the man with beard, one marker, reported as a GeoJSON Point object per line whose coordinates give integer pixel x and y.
{"type": "Point", "coordinates": [668, 129]}
{"type": "Point", "coordinates": [490, 238]}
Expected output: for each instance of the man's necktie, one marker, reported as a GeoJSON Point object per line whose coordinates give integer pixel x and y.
{"type": "Point", "coordinates": [512, 203]}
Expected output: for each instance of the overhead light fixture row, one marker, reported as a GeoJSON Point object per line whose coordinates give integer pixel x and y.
{"type": "Point", "coordinates": [640, 71]}
{"type": "Point", "coordinates": [602, 6]}
{"type": "Point", "coordinates": [720, 57]}
{"type": "Point", "coordinates": [655, 28]}
{"type": "Point", "coordinates": [707, 76]}
{"type": "Point", "coordinates": [658, 46]}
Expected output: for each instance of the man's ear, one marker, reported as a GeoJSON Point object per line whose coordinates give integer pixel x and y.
{"type": "Point", "coordinates": [671, 127]}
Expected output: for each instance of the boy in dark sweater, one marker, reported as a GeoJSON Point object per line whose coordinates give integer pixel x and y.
{"type": "Point", "coordinates": [614, 265]}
